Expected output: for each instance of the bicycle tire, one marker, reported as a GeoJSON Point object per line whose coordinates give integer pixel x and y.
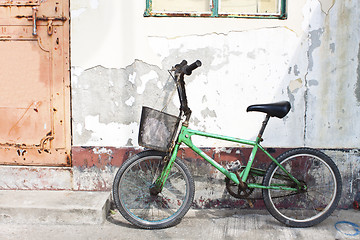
{"type": "Point", "coordinates": [309, 206]}
{"type": "Point", "coordinates": [131, 191]}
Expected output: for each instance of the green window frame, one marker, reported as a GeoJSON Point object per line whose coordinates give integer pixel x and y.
{"type": "Point", "coordinates": [215, 6]}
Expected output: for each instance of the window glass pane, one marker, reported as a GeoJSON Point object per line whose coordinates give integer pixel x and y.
{"type": "Point", "coordinates": [181, 5]}
{"type": "Point", "coordinates": [249, 6]}
{"type": "Point", "coordinates": [268, 6]}
{"type": "Point", "coordinates": [243, 6]}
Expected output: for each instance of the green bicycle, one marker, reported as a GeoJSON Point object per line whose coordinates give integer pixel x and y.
{"type": "Point", "coordinates": [154, 188]}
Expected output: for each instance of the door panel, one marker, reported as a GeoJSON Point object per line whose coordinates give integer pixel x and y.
{"type": "Point", "coordinates": [35, 88]}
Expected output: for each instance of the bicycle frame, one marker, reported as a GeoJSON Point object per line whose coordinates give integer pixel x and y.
{"type": "Point", "coordinates": [185, 137]}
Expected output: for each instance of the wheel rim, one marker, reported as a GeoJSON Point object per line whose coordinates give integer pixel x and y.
{"type": "Point", "coordinates": [137, 200]}
{"type": "Point", "coordinates": [316, 200]}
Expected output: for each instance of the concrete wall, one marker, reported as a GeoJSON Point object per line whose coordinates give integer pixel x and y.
{"type": "Point", "coordinates": [120, 60]}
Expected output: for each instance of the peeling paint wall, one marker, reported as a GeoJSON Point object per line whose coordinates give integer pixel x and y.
{"type": "Point", "coordinates": [231, 79]}
{"type": "Point", "coordinates": [120, 60]}
{"type": "Point", "coordinates": [236, 72]}
{"type": "Point", "coordinates": [332, 105]}
{"type": "Point", "coordinates": [107, 102]}
{"type": "Point", "coordinates": [119, 63]}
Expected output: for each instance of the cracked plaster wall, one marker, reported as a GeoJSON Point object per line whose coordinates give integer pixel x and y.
{"type": "Point", "coordinates": [332, 101]}
{"type": "Point", "coordinates": [119, 63]}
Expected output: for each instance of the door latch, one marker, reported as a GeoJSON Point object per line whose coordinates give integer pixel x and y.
{"type": "Point", "coordinates": [34, 18]}
{"type": "Point", "coordinates": [50, 28]}
{"type": "Point", "coordinates": [34, 13]}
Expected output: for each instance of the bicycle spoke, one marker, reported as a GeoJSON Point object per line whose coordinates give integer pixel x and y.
{"type": "Point", "coordinates": [316, 200]}
{"type": "Point", "coordinates": [128, 183]}
{"type": "Point", "coordinates": [142, 207]}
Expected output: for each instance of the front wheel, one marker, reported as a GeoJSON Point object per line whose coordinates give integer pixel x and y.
{"type": "Point", "coordinates": [135, 198]}
{"type": "Point", "coordinates": [315, 199]}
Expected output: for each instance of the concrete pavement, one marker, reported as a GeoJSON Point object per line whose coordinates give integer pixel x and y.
{"type": "Point", "coordinates": [199, 224]}
{"type": "Point", "coordinates": [72, 221]}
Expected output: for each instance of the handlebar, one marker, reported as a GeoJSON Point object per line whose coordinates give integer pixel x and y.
{"type": "Point", "coordinates": [188, 69]}
{"type": "Point", "coordinates": [182, 69]}
{"type": "Point", "coordinates": [181, 65]}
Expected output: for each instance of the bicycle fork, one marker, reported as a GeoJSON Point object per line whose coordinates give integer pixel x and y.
{"type": "Point", "coordinates": [157, 186]}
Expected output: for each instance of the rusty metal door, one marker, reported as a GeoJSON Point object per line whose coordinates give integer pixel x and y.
{"type": "Point", "coordinates": [35, 88]}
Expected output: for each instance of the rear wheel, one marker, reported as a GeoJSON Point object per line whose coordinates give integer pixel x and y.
{"type": "Point", "coordinates": [140, 203]}
{"type": "Point", "coordinates": [318, 196]}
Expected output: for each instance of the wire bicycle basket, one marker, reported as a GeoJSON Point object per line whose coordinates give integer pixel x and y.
{"type": "Point", "coordinates": [157, 129]}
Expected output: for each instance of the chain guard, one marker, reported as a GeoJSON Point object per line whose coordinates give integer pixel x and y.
{"type": "Point", "coordinates": [236, 191]}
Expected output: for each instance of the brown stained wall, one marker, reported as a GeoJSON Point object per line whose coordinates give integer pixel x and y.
{"type": "Point", "coordinates": [95, 167]}
{"type": "Point", "coordinates": [100, 157]}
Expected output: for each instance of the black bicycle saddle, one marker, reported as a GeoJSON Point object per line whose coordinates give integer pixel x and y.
{"type": "Point", "coordinates": [278, 109]}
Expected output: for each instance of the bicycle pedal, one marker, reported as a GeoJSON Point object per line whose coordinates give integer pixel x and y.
{"type": "Point", "coordinates": [233, 166]}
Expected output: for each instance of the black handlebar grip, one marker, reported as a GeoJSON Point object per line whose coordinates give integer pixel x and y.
{"type": "Point", "coordinates": [181, 65]}
{"type": "Point", "coordinates": [188, 69]}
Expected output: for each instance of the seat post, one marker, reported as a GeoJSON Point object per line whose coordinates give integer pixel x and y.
{"type": "Point", "coordinates": [265, 122]}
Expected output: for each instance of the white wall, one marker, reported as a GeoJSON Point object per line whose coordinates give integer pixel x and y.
{"type": "Point", "coordinates": [120, 59]}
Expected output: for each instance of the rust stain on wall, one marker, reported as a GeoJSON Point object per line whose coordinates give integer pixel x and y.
{"type": "Point", "coordinates": [87, 157]}
{"type": "Point", "coordinates": [95, 167]}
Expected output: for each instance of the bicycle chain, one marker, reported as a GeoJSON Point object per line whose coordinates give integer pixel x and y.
{"type": "Point", "coordinates": [238, 195]}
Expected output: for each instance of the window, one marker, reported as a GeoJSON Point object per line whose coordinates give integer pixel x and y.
{"type": "Point", "coordinates": [216, 8]}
